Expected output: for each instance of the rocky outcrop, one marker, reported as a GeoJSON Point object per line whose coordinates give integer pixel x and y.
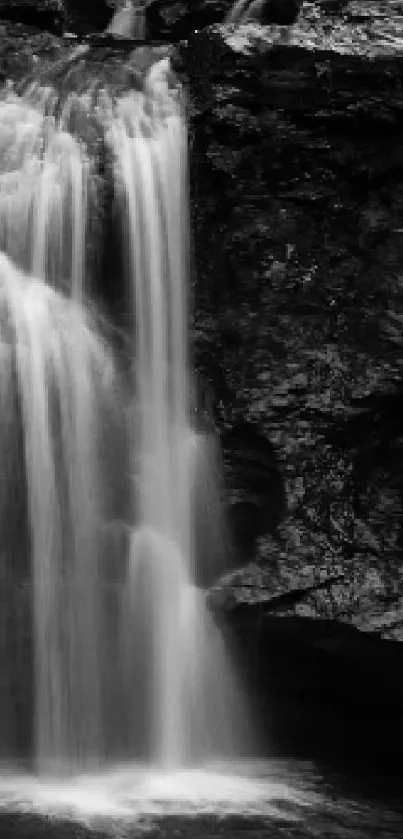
{"type": "Point", "coordinates": [22, 47]}
{"type": "Point", "coordinates": [296, 172]}
{"type": "Point", "coordinates": [176, 19]}
{"type": "Point", "coordinates": [255, 485]}
{"type": "Point", "coordinates": [167, 19]}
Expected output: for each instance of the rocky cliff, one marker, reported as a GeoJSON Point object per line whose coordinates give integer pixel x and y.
{"type": "Point", "coordinates": [298, 218]}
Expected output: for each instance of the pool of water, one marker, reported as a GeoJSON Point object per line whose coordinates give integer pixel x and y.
{"type": "Point", "coordinates": [273, 799]}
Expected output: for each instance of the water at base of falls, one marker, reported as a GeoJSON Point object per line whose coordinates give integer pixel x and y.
{"type": "Point", "coordinates": [131, 793]}
{"type": "Point", "coordinates": [127, 661]}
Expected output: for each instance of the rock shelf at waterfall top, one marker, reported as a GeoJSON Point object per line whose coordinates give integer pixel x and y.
{"type": "Point", "coordinates": [369, 30]}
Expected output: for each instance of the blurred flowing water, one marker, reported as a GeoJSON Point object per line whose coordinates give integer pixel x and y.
{"type": "Point", "coordinates": [127, 661]}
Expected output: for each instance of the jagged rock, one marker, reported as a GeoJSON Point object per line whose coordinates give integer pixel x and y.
{"type": "Point", "coordinates": [297, 210]}
{"type": "Point", "coordinates": [22, 47]}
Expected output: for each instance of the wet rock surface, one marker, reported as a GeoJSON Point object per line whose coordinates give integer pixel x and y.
{"type": "Point", "coordinates": [296, 174]}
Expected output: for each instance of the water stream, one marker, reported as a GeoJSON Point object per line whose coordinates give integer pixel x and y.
{"type": "Point", "coordinates": [130, 666]}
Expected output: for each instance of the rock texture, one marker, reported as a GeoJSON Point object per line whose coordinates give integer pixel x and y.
{"type": "Point", "coordinates": [266, 12]}
{"type": "Point", "coordinates": [176, 20]}
{"type": "Point", "coordinates": [22, 47]}
{"type": "Point", "coordinates": [297, 168]}
{"type": "Point", "coordinates": [43, 14]}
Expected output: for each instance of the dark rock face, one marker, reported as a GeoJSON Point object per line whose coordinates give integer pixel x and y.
{"type": "Point", "coordinates": [255, 480]}
{"type": "Point", "coordinates": [296, 172]}
{"type": "Point", "coordinates": [43, 14]}
{"type": "Point", "coordinates": [21, 47]}
{"type": "Point", "coordinates": [58, 15]}
{"type": "Point", "coordinates": [91, 16]}
{"type": "Point", "coordinates": [176, 20]}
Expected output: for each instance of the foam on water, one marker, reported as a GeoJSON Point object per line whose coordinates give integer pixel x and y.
{"type": "Point", "coordinates": [130, 792]}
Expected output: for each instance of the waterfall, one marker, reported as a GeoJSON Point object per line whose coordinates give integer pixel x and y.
{"type": "Point", "coordinates": [238, 13]}
{"type": "Point", "coordinates": [129, 20]}
{"type": "Point", "coordinates": [62, 372]}
{"type": "Point", "coordinates": [127, 662]}
{"type": "Point", "coordinates": [44, 183]}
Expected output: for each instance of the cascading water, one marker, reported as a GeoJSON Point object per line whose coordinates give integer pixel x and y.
{"type": "Point", "coordinates": [238, 13]}
{"type": "Point", "coordinates": [61, 370]}
{"type": "Point", "coordinates": [44, 183]}
{"type": "Point", "coordinates": [131, 667]}
{"type": "Point", "coordinates": [189, 692]}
